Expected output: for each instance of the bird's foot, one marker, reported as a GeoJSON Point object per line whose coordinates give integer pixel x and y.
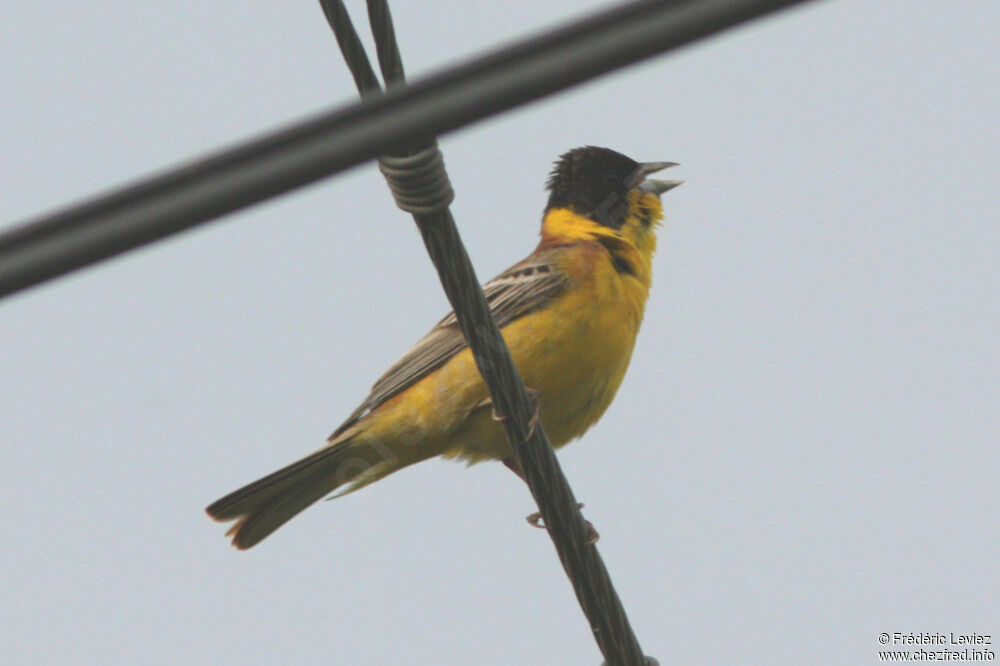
{"type": "Point", "coordinates": [536, 413]}
{"type": "Point", "coordinates": [535, 520]}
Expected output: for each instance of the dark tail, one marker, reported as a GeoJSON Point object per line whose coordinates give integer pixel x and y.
{"type": "Point", "coordinates": [268, 503]}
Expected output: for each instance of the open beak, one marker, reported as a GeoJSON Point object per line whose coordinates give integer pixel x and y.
{"type": "Point", "coordinates": [656, 187]}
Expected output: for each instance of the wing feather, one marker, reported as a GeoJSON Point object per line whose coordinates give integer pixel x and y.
{"type": "Point", "coordinates": [521, 289]}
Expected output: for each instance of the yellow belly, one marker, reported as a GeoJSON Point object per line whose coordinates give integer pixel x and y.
{"type": "Point", "coordinates": [574, 354]}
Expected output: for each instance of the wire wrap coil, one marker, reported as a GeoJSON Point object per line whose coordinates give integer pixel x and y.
{"type": "Point", "coordinates": [419, 182]}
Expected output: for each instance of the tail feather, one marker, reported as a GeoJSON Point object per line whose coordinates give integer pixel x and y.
{"type": "Point", "coordinates": [263, 506]}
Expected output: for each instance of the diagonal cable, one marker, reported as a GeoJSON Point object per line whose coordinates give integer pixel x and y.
{"type": "Point", "coordinates": [422, 166]}
{"type": "Point", "coordinates": [351, 47]}
{"type": "Point", "coordinates": [389, 59]}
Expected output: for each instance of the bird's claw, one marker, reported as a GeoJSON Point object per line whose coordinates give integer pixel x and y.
{"type": "Point", "coordinates": [536, 413]}
{"type": "Point", "coordinates": [535, 520]}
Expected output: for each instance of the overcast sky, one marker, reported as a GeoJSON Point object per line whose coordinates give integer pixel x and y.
{"type": "Point", "coordinates": [802, 456]}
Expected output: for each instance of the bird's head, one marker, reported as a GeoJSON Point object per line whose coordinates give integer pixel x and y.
{"type": "Point", "coordinates": [608, 187]}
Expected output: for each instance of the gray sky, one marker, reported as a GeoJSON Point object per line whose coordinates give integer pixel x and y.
{"type": "Point", "coordinates": [803, 454]}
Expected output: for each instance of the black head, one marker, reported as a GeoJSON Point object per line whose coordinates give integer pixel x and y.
{"type": "Point", "coordinates": [593, 182]}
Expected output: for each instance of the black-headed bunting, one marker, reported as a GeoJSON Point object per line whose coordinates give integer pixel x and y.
{"type": "Point", "coordinates": [569, 312]}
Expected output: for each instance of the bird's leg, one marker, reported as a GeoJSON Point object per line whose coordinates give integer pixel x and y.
{"type": "Point", "coordinates": [535, 519]}
{"type": "Point", "coordinates": [515, 467]}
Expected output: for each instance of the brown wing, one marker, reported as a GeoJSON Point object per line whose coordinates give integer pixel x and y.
{"type": "Point", "coordinates": [521, 289]}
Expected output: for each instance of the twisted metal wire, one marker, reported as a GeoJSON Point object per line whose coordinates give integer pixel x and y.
{"type": "Point", "coordinates": [419, 184]}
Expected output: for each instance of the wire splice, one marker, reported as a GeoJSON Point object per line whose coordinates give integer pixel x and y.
{"type": "Point", "coordinates": [419, 182]}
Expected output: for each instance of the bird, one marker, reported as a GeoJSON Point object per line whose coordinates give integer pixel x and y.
{"type": "Point", "coordinates": [569, 313]}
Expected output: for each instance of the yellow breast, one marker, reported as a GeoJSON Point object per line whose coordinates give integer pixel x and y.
{"type": "Point", "coordinates": [575, 351]}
